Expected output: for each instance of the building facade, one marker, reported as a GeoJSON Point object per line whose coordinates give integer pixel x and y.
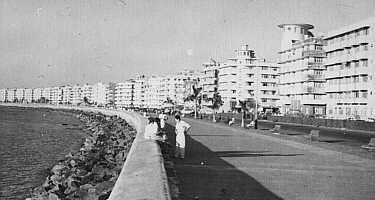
{"type": "Point", "coordinates": [301, 72]}
{"type": "Point", "coordinates": [124, 94]}
{"type": "Point", "coordinates": [247, 78]}
{"type": "Point", "coordinates": [99, 94]}
{"type": "Point", "coordinates": [350, 71]}
{"type": "Point", "coordinates": [3, 95]}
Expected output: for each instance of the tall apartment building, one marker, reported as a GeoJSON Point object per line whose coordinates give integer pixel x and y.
{"type": "Point", "coordinates": [246, 77]}
{"type": "Point", "coordinates": [155, 92]}
{"type": "Point", "coordinates": [350, 71]}
{"type": "Point", "coordinates": [301, 72]}
{"type": "Point", "coordinates": [139, 91]}
{"type": "Point", "coordinates": [209, 81]}
{"type": "Point", "coordinates": [124, 94]}
{"type": "Point", "coordinates": [99, 94]}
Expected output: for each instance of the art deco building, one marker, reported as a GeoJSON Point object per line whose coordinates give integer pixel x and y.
{"type": "Point", "coordinates": [37, 94]}
{"type": "Point", "coordinates": [11, 94]}
{"type": "Point", "coordinates": [246, 77]}
{"type": "Point", "coordinates": [124, 94]}
{"type": "Point", "coordinates": [350, 71]}
{"type": "Point", "coordinates": [301, 72]}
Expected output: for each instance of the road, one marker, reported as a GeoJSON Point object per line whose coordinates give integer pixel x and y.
{"type": "Point", "coordinates": [229, 163]}
{"type": "Point", "coordinates": [348, 137]}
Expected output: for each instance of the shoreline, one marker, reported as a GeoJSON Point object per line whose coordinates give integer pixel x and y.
{"type": "Point", "coordinates": [92, 171]}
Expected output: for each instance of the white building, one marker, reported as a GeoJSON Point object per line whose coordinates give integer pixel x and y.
{"type": "Point", "coordinates": [3, 95]}
{"type": "Point", "coordinates": [11, 95]}
{"type": "Point", "coordinates": [209, 81]}
{"type": "Point", "coordinates": [350, 74]}
{"type": "Point", "coordinates": [37, 94]}
{"type": "Point", "coordinates": [67, 94]}
{"type": "Point", "coordinates": [47, 95]}
{"type": "Point", "coordinates": [155, 92]}
{"type": "Point", "coordinates": [87, 92]}
{"type": "Point", "coordinates": [76, 95]}
{"type": "Point", "coordinates": [20, 94]}
{"type": "Point", "coordinates": [139, 91]}
{"type": "Point", "coordinates": [247, 78]}
{"type": "Point", "coordinates": [301, 70]}
{"type": "Point", "coordinates": [99, 94]}
{"type": "Point", "coordinates": [29, 95]}
{"type": "Point", "coordinates": [124, 94]}
{"type": "Point", "coordinates": [56, 95]}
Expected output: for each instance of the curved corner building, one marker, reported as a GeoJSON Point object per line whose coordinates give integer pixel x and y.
{"type": "Point", "coordinates": [301, 73]}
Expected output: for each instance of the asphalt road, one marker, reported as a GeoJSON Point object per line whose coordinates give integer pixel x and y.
{"type": "Point", "coordinates": [347, 137]}
{"type": "Point", "coordinates": [225, 163]}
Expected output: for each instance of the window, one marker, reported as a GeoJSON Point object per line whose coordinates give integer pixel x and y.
{"type": "Point", "coordinates": [356, 63]}
{"type": "Point", "coordinates": [364, 63]}
{"type": "Point", "coordinates": [364, 78]}
{"type": "Point", "coordinates": [365, 47]}
{"type": "Point", "coordinates": [364, 94]}
{"type": "Point", "coordinates": [264, 68]}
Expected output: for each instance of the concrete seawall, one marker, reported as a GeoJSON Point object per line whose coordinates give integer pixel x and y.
{"type": "Point", "coordinates": [143, 175]}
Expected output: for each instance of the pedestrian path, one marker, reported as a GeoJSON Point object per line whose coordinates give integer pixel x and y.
{"type": "Point", "coordinates": [228, 163]}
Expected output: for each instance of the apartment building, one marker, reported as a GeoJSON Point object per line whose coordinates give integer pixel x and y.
{"type": "Point", "coordinates": [246, 77]}
{"type": "Point", "coordinates": [37, 94]}
{"type": "Point", "coordinates": [99, 94]}
{"type": "Point", "coordinates": [87, 92]}
{"type": "Point", "coordinates": [20, 94]}
{"type": "Point", "coordinates": [139, 91]}
{"type": "Point", "coordinates": [3, 95]}
{"type": "Point", "coordinates": [11, 94]}
{"type": "Point", "coordinates": [124, 94]}
{"type": "Point", "coordinates": [209, 81]}
{"type": "Point", "coordinates": [29, 95]}
{"type": "Point", "coordinates": [301, 72]}
{"type": "Point", "coordinates": [350, 71]}
{"type": "Point", "coordinates": [155, 92]}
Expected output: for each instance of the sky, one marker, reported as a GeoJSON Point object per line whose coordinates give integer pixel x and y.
{"type": "Point", "coordinates": [58, 42]}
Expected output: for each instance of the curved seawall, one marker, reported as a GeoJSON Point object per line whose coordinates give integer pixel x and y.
{"type": "Point", "coordinates": [143, 175]}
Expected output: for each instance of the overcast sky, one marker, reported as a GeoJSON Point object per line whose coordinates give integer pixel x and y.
{"type": "Point", "coordinates": [56, 42]}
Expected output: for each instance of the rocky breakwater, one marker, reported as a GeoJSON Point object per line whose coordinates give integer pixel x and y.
{"type": "Point", "coordinates": [91, 172]}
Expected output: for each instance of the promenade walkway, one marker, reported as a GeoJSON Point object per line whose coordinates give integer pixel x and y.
{"type": "Point", "coordinates": [225, 163]}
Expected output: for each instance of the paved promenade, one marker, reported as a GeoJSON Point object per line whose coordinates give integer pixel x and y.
{"type": "Point", "coordinates": [229, 163]}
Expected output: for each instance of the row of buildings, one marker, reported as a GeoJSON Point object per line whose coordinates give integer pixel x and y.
{"type": "Point", "coordinates": [328, 75]}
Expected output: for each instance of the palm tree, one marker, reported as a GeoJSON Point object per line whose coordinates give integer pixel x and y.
{"type": "Point", "coordinates": [196, 97]}
{"type": "Point", "coordinates": [216, 104]}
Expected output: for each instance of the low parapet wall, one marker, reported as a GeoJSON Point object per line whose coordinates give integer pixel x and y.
{"type": "Point", "coordinates": [143, 175]}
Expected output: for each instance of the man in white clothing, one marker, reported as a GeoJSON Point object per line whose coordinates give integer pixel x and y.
{"type": "Point", "coordinates": [151, 129]}
{"type": "Point", "coordinates": [181, 130]}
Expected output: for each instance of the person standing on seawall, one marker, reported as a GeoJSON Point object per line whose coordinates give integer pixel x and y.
{"type": "Point", "coordinates": [181, 129]}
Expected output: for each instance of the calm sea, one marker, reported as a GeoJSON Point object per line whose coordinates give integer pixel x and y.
{"type": "Point", "coordinates": [32, 141]}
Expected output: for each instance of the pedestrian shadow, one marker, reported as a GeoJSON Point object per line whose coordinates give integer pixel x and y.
{"type": "Point", "coordinates": [204, 175]}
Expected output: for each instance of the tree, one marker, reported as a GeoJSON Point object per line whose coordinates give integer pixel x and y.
{"type": "Point", "coordinates": [196, 97]}
{"type": "Point", "coordinates": [245, 105]}
{"type": "Point", "coordinates": [216, 104]}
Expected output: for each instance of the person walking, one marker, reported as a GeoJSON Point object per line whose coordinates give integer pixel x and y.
{"type": "Point", "coordinates": [162, 118]}
{"type": "Point", "coordinates": [151, 129]}
{"type": "Point", "coordinates": [181, 130]}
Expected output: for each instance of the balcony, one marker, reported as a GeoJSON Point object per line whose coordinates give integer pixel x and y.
{"type": "Point", "coordinates": [314, 53]}
{"type": "Point", "coordinates": [315, 65]}
{"type": "Point", "coordinates": [311, 89]}
{"type": "Point", "coordinates": [315, 77]}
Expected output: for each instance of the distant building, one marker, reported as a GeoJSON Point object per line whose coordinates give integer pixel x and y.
{"type": "Point", "coordinates": [155, 92]}
{"type": "Point", "coordinates": [301, 72]}
{"type": "Point", "coordinates": [99, 94]}
{"type": "Point", "coordinates": [3, 95]}
{"type": "Point", "coordinates": [247, 78]}
{"type": "Point", "coordinates": [37, 96]}
{"type": "Point", "coordinates": [29, 95]}
{"type": "Point", "coordinates": [110, 94]}
{"type": "Point", "coordinates": [209, 81]}
{"type": "Point", "coordinates": [139, 91]}
{"type": "Point", "coordinates": [124, 94]}
{"type": "Point", "coordinates": [350, 71]}
{"type": "Point", "coordinates": [11, 94]}
{"type": "Point", "coordinates": [87, 93]}
{"type": "Point", "coordinates": [20, 95]}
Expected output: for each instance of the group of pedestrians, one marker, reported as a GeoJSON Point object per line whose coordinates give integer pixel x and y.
{"type": "Point", "coordinates": [155, 130]}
